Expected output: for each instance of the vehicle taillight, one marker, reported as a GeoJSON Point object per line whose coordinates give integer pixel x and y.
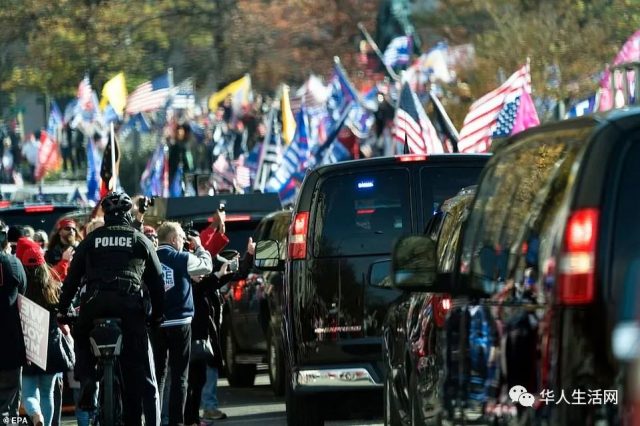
{"type": "Point", "coordinates": [298, 238]}
{"type": "Point", "coordinates": [38, 209]}
{"type": "Point", "coordinates": [576, 266]}
{"type": "Point", "coordinates": [410, 157]}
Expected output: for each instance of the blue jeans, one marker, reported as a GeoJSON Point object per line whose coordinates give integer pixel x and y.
{"type": "Point", "coordinates": [210, 390]}
{"type": "Point", "coordinates": [37, 395]}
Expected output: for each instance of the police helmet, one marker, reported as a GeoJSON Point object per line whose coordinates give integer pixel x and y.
{"type": "Point", "coordinates": [116, 202]}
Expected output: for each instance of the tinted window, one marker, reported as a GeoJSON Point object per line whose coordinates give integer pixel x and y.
{"type": "Point", "coordinates": [363, 213]}
{"type": "Point", "coordinates": [38, 220]}
{"type": "Point", "coordinates": [238, 233]}
{"type": "Point", "coordinates": [440, 183]}
{"type": "Point", "coordinates": [626, 237]}
{"type": "Point", "coordinates": [449, 233]}
{"type": "Point", "coordinates": [520, 210]}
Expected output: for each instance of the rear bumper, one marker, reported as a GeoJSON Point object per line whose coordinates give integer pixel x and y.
{"type": "Point", "coordinates": [328, 378]}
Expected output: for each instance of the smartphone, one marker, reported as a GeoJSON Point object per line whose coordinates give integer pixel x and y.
{"type": "Point", "coordinates": [233, 265]}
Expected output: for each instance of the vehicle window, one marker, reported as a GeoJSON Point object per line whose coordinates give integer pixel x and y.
{"type": "Point", "coordinates": [517, 208]}
{"type": "Point", "coordinates": [279, 232]}
{"type": "Point", "coordinates": [238, 233]}
{"type": "Point", "coordinates": [38, 220]}
{"type": "Point", "coordinates": [440, 183]}
{"type": "Point", "coordinates": [449, 235]}
{"type": "Point", "coordinates": [362, 214]}
{"type": "Point", "coordinates": [625, 271]}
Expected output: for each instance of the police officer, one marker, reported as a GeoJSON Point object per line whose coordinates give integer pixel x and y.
{"type": "Point", "coordinates": [116, 260]}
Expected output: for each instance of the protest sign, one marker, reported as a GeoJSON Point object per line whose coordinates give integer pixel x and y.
{"type": "Point", "coordinates": [35, 327]}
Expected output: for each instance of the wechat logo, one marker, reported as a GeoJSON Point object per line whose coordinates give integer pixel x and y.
{"type": "Point", "coordinates": [519, 395]}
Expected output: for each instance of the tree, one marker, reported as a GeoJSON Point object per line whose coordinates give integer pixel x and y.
{"type": "Point", "coordinates": [568, 42]}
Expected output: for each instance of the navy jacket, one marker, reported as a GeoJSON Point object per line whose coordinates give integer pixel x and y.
{"type": "Point", "coordinates": [13, 281]}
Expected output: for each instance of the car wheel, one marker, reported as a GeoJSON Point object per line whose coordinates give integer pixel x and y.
{"type": "Point", "coordinates": [276, 365]}
{"type": "Point", "coordinates": [302, 410]}
{"type": "Point", "coordinates": [238, 375]}
{"type": "Point", "coordinates": [391, 416]}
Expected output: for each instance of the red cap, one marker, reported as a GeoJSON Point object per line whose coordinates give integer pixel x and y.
{"type": "Point", "coordinates": [67, 222]}
{"type": "Point", "coordinates": [149, 230]}
{"type": "Point", "coordinates": [29, 252]}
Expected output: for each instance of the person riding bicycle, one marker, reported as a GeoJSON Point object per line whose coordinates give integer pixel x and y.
{"type": "Point", "coordinates": [116, 261]}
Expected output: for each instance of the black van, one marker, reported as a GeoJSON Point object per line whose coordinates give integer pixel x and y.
{"type": "Point", "coordinates": [544, 320]}
{"type": "Point", "coordinates": [346, 219]}
{"type": "Point", "coordinates": [252, 317]}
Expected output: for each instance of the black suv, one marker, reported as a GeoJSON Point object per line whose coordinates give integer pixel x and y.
{"type": "Point", "coordinates": [414, 328]}
{"type": "Point", "coordinates": [253, 315]}
{"type": "Point", "coordinates": [543, 324]}
{"type": "Point", "coordinates": [345, 221]}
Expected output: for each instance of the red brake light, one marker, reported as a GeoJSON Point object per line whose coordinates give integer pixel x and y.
{"type": "Point", "coordinates": [5, 203]}
{"type": "Point", "coordinates": [237, 218]}
{"type": "Point", "coordinates": [298, 237]}
{"type": "Point", "coordinates": [38, 209]}
{"type": "Point", "coordinates": [410, 157]}
{"type": "Point", "coordinates": [576, 267]}
{"type": "Point", "coordinates": [365, 211]}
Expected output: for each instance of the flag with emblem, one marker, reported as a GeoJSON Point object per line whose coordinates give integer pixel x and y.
{"type": "Point", "coordinates": [412, 127]}
{"type": "Point", "coordinates": [503, 112]}
{"type": "Point", "coordinates": [398, 52]}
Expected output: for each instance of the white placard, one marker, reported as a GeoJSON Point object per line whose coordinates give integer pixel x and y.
{"type": "Point", "coordinates": [35, 327]}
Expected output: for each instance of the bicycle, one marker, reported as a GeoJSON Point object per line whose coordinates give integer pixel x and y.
{"type": "Point", "coordinates": [106, 345]}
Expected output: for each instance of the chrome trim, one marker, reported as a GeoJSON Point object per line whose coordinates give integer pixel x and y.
{"type": "Point", "coordinates": [338, 377]}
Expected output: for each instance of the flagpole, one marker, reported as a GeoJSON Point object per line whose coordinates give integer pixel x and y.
{"type": "Point", "coordinates": [376, 49]}
{"type": "Point", "coordinates": [114, 169]}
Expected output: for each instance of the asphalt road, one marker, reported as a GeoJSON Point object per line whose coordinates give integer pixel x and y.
{"type": "Point", "coordinates": [258, 406]}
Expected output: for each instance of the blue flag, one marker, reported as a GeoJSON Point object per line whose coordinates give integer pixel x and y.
{"type": "Point", "coordinates": [93, 174]}
{"type": "Point", "coordinates": [152, 179]}
{"type": "Point", "coordinates": [176, 186]}
{"type": "Point", "coordinates": [295, 160]}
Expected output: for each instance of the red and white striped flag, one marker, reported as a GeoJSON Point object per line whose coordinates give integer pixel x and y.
{"type": "Point", "coordinates": [149, 96]}
{"type": "Point", "coordinates": [85, 95]}
{"type": "Point", "coordinates": [412, 125]}
{"type": "Point", "coordinates": [481, 120]}
{"type": "Point", "coordinates": [243, 173]}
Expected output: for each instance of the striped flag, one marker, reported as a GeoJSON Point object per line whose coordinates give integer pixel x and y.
{"type": "Point", "coordinates": [398, 52]}
{"type": "Point", "coordinates": [85, 96]}
{"type": "Point", "coordinates": [222, 173]}
{"type": "Point", "coordinates": [412, 126]}
{"type": "Point", "coordinates": [243, 173]}
{"type": "Point", "coordinates": [182, 96]}
{"type": "Point", "coordinates": [630, 52]}
{"type": "Point", "coordinates": [482, 120]}
{"type": "Point", "coordinates": [149, 96]}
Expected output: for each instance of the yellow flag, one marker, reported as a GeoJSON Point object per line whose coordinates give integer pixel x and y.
{"type": "Point", "coordinates": [288, 122]}
{"type": "Point", "coordinates": [239, 90]}
{"type": "Point", "coordinates": [114, 92]}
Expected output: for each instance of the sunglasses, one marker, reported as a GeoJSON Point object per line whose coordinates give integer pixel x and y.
{"type": "Point", "coordinates": [69, 228]}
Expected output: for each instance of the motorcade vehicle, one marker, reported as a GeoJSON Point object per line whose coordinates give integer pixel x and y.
{"type": "Point", "coordinates": [345, 221]}
{"type": "Point", "coordinates": [39, 215]}
{"type": "Point", "coordinates": [243, 213]}
{"type": "Point", "coordinates": [251, 326]}
{"type": "Point", "coordinates": [543, 319]}
{"type": "Point", "coordinates": [414, 327]}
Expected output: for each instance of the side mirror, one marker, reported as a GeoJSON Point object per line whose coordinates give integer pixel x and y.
{"type": "Point", "coordinates": [267, 256]}
{"type": "Point", "coordinates": [380, 274]}
{"type": "Point", "coordinates": [414, 266]}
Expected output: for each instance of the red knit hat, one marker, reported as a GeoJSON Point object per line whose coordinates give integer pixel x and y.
{"type": "Point", "coordinates": [29, 252]}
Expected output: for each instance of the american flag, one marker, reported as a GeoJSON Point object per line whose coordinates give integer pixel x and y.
{"type": "Point", "coordinates": [411, 125]}
{"type": "Point", "coordinates": [85, 95]}
{"type": "Point", "coordinates": [482, 119]}
{"type": "Point", "coordinates": [149, 96]}
{"type": "Point", "coordinates": [243, 173]}
{"type": "Point", "coordinates": [222, 173]}
{"type": "Point", "coordinates": [182, 96]}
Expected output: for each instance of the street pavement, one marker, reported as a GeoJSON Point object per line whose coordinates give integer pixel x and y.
{"type": "Point", "coordinates": [257, 406]}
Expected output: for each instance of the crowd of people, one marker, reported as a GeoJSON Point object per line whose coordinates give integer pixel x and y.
{"type": "Point", "coordinates": [163, 284]}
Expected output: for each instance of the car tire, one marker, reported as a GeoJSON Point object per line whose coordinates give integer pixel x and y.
{"type": "Point", "coordinates": [391, 415]}
{"type": "Point", "coordinates": [238, 375]}
{"type": "Point", "coordinates": [276, 365]}
{"type": "Point", "coordinates": [302, 410]}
